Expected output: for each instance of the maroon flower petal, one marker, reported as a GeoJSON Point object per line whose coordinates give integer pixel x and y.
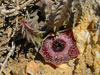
{"type": "Point", "coordinates": [60, 48]}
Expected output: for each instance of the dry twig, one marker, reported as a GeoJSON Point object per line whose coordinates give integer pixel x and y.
{"type": "Point", "coordinates": [15, 10]}
{"type": "Point", "coordinates": [8, 56]}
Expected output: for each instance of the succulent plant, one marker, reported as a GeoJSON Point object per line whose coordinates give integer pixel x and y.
{"type": "Point", "coordinates": [56, 48]}
{"type": "Point", "coordinates": [31, 31]}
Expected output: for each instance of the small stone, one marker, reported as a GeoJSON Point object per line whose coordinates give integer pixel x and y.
{"type": "Point", "coordinates": [31, 67]}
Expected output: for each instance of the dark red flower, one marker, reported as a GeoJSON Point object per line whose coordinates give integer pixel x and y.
{"type": "Point", "coordinates": [59, 48]}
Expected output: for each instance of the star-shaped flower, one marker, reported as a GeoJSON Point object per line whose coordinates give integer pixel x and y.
{"type": "Point", "coordinates": [59, 48]}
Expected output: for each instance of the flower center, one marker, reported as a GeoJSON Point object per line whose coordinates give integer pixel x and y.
{"type": "Point", "coordinates": [58, 45]}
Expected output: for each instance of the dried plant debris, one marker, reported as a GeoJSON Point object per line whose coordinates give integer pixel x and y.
{"type": "Point", "coordinates": [26, 26]}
